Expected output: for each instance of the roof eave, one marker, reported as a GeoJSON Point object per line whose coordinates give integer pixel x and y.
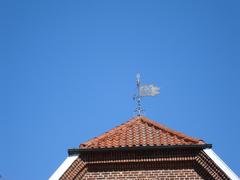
{"type": "Point", "coordinates": [77, 151]}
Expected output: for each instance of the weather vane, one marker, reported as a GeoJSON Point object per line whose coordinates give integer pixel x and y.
{"type": "Point", "coordinates": [142, 91]}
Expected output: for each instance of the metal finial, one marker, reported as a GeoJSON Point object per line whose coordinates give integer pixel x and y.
{"type": "Point", "coordinates": [138, 98]}
{"type": "Point", "coordinates": [138, 78]}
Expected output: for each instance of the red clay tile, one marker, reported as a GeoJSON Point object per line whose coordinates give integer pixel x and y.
{"type": "Point", "coordinates": [140, 131]}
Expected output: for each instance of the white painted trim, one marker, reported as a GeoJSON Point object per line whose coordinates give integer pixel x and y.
{"type": "Point", "coordinates": [221, 164]}
{"type": "Point", "coordinates": [64, 166]}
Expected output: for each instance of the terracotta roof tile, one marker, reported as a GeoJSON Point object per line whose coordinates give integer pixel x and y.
{"type": "Point", "coordinates": [140, 131]}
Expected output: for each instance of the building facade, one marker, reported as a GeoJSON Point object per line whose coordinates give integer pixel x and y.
{"type": "Point", "coordinates": [143, 149]}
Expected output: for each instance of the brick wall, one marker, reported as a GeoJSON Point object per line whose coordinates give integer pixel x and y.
{"type": "Point", "coordinates": [148, 164]}
{"type": "Point", "coordinates": [177, 174]}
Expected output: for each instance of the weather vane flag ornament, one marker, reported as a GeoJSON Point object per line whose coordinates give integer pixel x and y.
{"type": "Point", "coordinates": [143, 91]}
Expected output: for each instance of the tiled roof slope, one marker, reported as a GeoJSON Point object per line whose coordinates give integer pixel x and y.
{"type": "Point", "coordinates": [140, 131]}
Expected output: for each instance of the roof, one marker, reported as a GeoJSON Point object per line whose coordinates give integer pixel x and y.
{"type": "Point", "coordinates": [140, 131]}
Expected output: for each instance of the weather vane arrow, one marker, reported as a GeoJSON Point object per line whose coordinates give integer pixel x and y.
{"type": "Point", "coordinates": [143, 91]}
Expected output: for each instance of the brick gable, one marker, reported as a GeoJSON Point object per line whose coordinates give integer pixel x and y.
{"type": "Point", "coordinates": [185, 163]}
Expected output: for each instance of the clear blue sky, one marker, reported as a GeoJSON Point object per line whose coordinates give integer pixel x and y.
{"type": "Point", "coordinates": [67, 74]}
